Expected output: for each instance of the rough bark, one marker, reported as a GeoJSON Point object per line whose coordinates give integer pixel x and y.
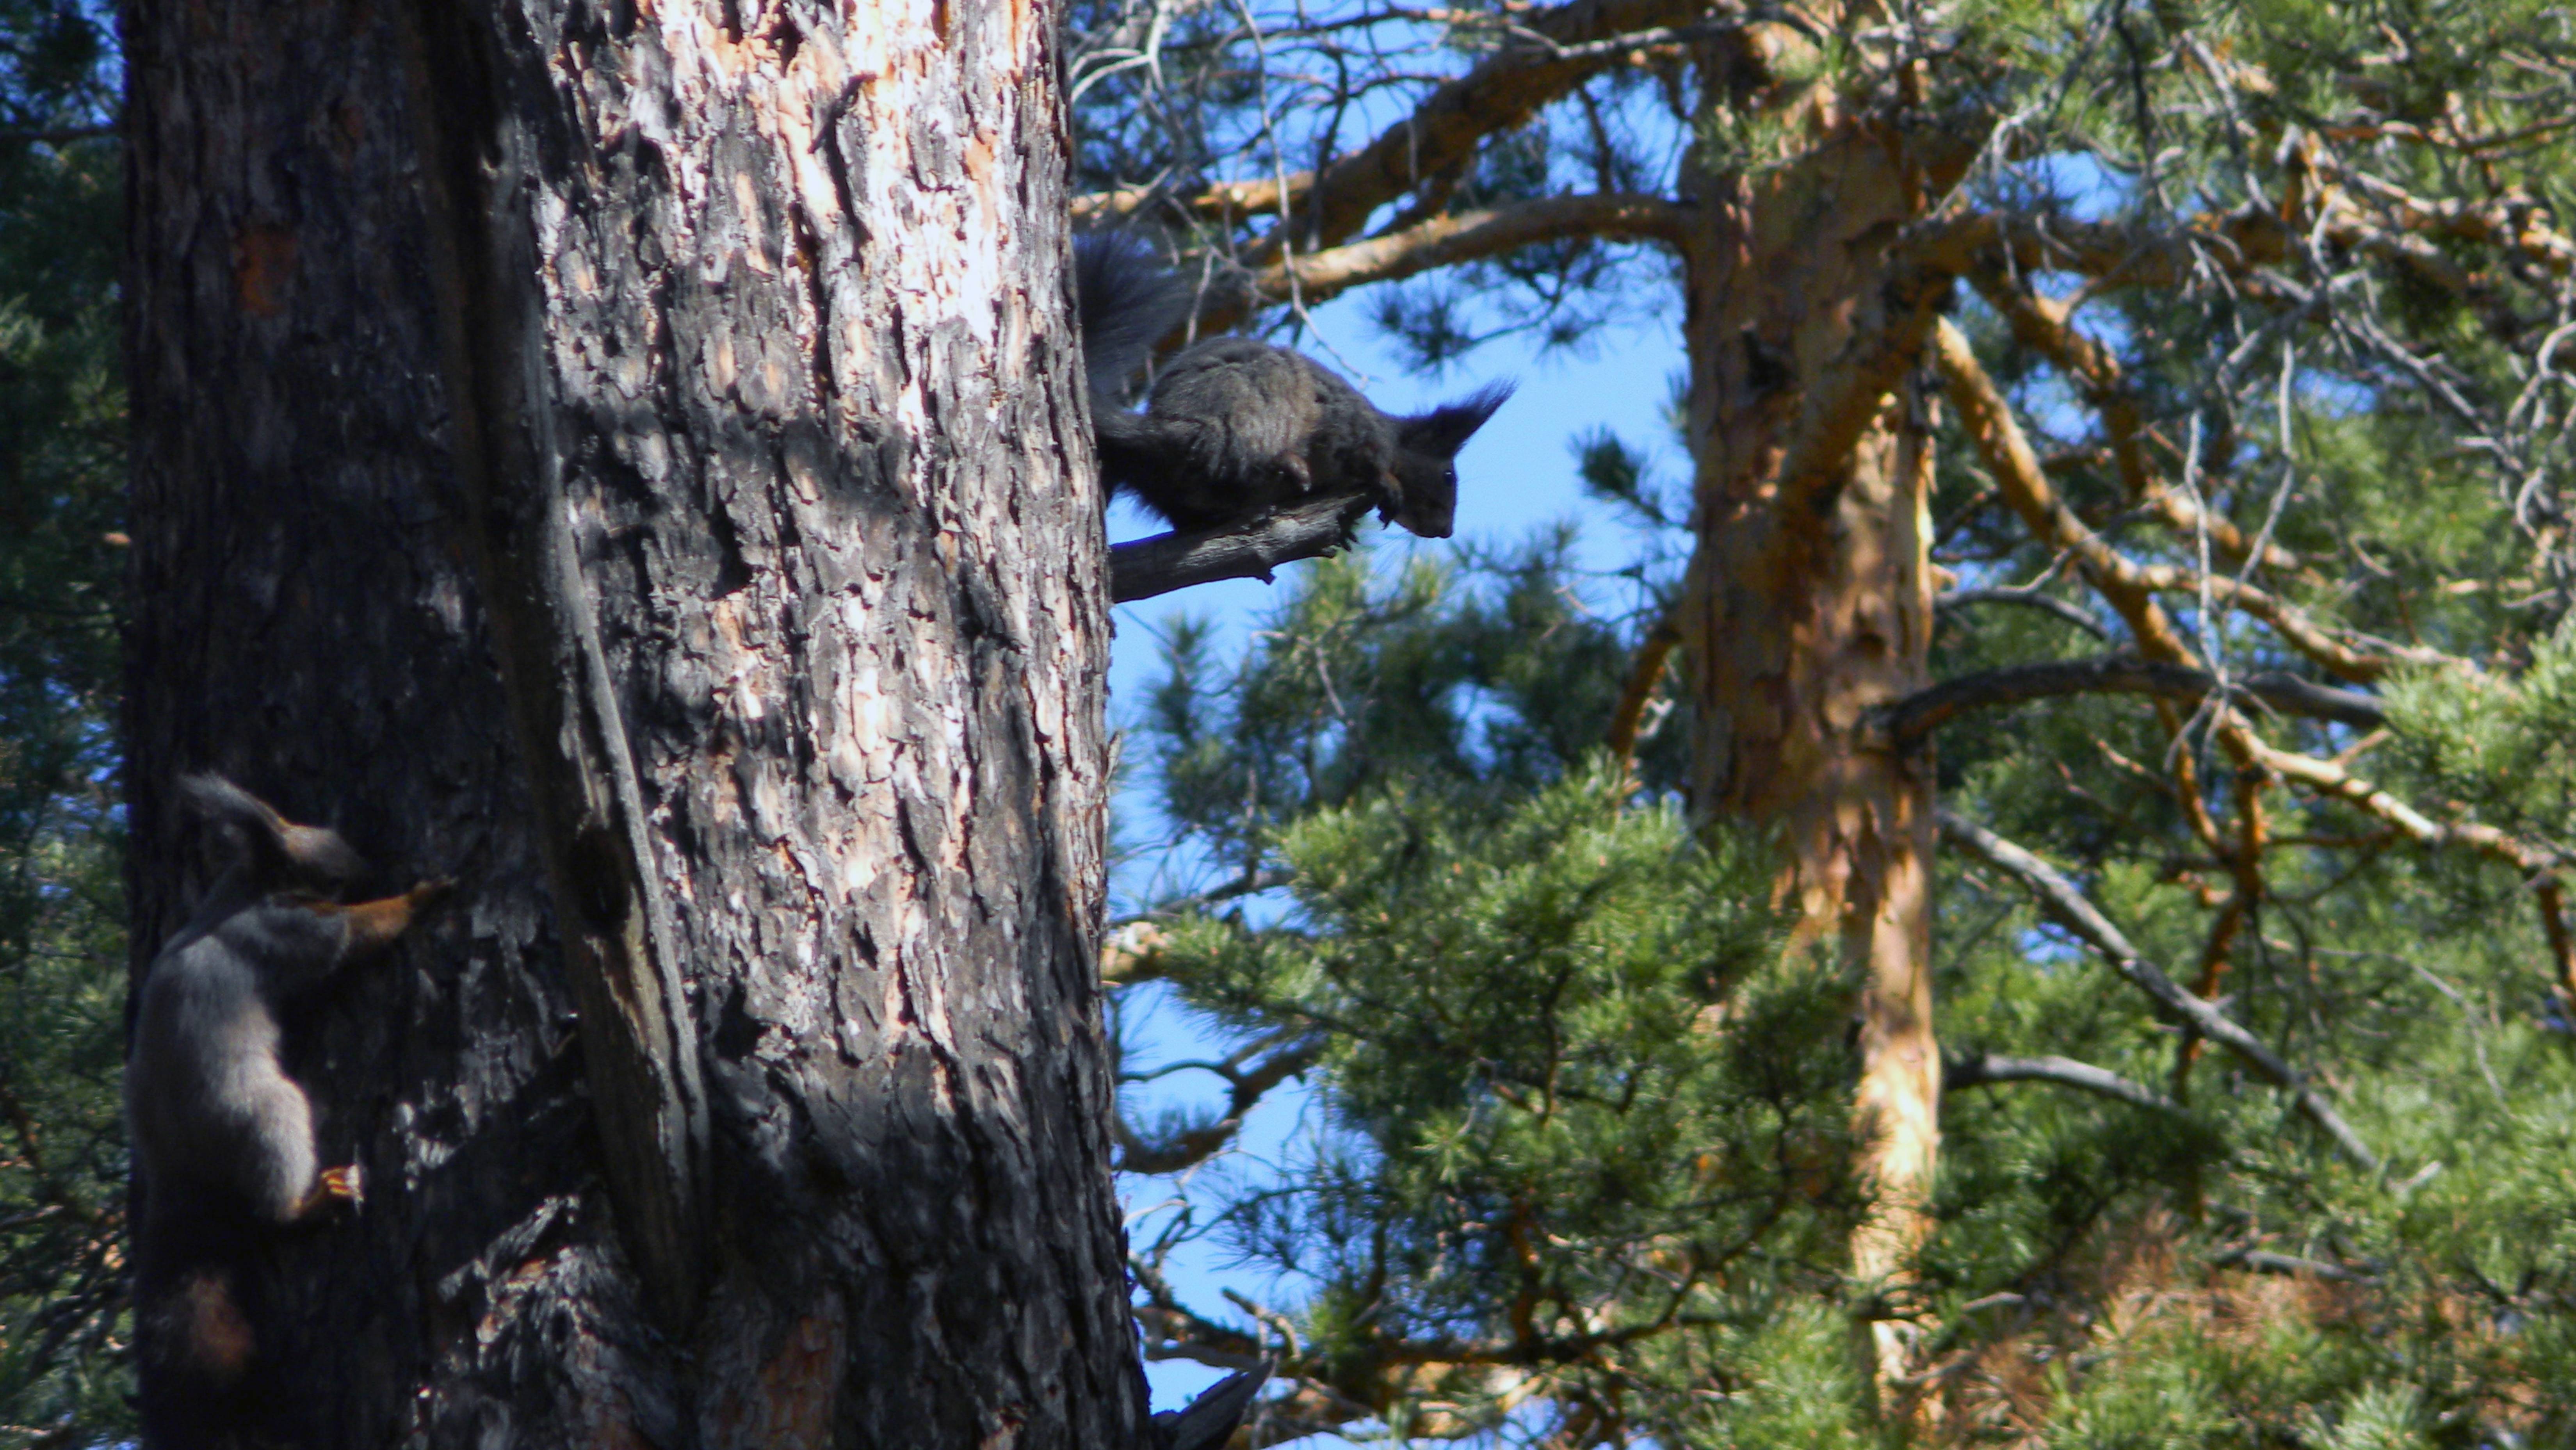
{"type": "Point", "coordinates": [1811, 600]}
{"type": "Point", "coordinates": [631, 460]}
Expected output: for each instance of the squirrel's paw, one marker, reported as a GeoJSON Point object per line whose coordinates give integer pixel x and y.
{"type": "Point", "coordinates": [430, 893]}
{"type": "Point", "coordinates": [345, 1184]}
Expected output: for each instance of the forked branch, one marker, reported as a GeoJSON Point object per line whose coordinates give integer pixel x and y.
{"type": "Point", "coordinates": [2058, 897]}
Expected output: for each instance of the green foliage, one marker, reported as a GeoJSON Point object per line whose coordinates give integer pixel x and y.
{"type": "Point", "coordinates": [1357, 684]}
{"type": "Point", "coordinates": [1565, 1119]}
{"type": "Point", "coordinates": [2507, 750]}
{"type": "Point", "coordinates": [62, 938]}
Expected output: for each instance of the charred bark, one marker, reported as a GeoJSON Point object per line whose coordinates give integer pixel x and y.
{"type": "Point", "coordinates": [631, 460]}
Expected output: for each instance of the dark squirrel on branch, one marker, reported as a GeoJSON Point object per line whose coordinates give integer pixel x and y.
{"type": "Point", "coordinates": [223, 1138]}
{"type": "Point", "coordinates": [1236, 428]}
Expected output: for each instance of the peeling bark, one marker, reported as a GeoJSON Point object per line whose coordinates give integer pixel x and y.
{"type": "Point", "coordinates": [632, 459]}
{"type": "Point", "coordinates": [1810, 603]}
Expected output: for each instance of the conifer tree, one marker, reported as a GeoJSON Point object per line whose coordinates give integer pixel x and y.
{"type": "Point", "coordinates": [2160, 407]}
{"type": "Point", "coordinates": [62, 946]}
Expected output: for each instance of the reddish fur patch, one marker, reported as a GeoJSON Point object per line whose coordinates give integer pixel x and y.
{"type": "Point", "coordinates": [219, 1340]}
{"type": "Point", "coordinates": [263, 260]}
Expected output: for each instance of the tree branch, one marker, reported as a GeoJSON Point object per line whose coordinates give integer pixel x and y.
{"type": "Point", "coordinates": [1131, 953]}
{"type": "Point", "coordinates": [2128, 585]}
{"type": "Point", "coordinates": [2008, 456]}
{"type": "Point", "coordinates": [2026, 598]}
{"type": "Point", "coordinates": [1643, 673]}
{"type": "Point", "coordinates": [1924, 711]}
{"type": "Point", "coordinates": [2046, 326]}
{"type": "Point", "coordinates": [1500, 93]}
{"type": "Point", "coordinates": [1195, 1145]}
{"type": "Point", "coordinates": [1144, 568]}
{"type": "Point", "coordinates": [1984, 1067]}
{"type": "Point", "coordinates": [1832, 418]}
{"type": "Point", "coordinates": [2331, 779]}
{"type": "Point", "coordinates": [1210, 201]}
{"type": "Point", "coordinates": [2059, 898]}
{"type": "Point", "coordinates": [1446, 241]}
{"type": "Point", "coordinates": [2264, 1261]}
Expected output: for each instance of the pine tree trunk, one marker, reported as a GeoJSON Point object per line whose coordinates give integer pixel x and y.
{"type": "Point", "coordinates": [1810, 603]}
{"type": "Point", "coordinates": [630, 459]}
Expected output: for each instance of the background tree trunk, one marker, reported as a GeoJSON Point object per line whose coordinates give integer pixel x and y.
{"type": "Point", "coordinates": [1811, 596]}
{"type": "Point", "coordinates": [709, 375]}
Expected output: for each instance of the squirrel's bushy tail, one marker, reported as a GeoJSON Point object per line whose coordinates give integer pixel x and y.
{"type": "Point", "coordinates": [1125, 301]}
{"type": "Point", "coordinates": [197, 1290]}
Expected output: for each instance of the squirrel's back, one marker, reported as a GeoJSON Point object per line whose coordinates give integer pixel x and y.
{"type": "Point", "coordinates": [1237, 427]}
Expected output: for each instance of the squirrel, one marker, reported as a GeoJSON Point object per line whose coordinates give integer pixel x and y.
{"type": "Point", "coordinates": [1208, 1422]}
{"type": "Point", "coordinates": [1235, 427]}
{"type": "Point", "coordinates": [223, 1138]}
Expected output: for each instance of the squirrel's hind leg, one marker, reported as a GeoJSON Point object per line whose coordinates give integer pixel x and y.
{"type": "Point", "coordinates": [282, 1172]}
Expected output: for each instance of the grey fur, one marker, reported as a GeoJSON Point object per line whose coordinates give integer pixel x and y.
{"type": "Point", "coordinates": [1236, 428]}
{"type": "Point", "coordinates": [206, 1094]}
{"type": "Point", "coordinates": [1211, 1420]}
{"type": "Point", "coordinates": [223, 1139]}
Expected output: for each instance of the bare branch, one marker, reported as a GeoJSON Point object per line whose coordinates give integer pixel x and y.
{"type": "Point", "coordinates": [1144, 568]}
{"type": "Point", "coordinates": [1212, 201]}
{"type": "Point", "coordinates": [1984, 1067]}
{"type": "Point", "coordinates": [1195, 1145]}
{"type": "Point", "coordinates": [2264, 1261]}
{"type": "Point", "coordinates": [1173, 1331]}
{"type": "Point", "coordinates": [2059, 898]}
{"type": "Point", "coordinates": [1499, 94]}
{"type": "Point", "coordinates": [2026, 598]}
{"type": "Point", "coordinates": [2046, 326]}
{"type": "Point", "coordinates": [1445, 241]}
{"type": "Point", "coordinates": [2128, 585]}
{"type": "Point", "coordinates": [1923, 711]}
{"type": "Point", "coordinates": [2008, 456]}
{"type": "Point", "coordinates": [2333, 779]}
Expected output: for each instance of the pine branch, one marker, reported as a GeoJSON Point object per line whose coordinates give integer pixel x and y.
{"type": "Point", "coordinates": [2059, 898]}
{"type": "Point", "coordinates": [1499, 94]}
{"type": "Point", "coordinates": [1445, 241]}
{"type": "Point", "coordinates": [1984, 1067]}
{"type": "Point", "coordinates": [2026, 599]}
{"type": "Point", "coordinates": [2131, 587]}
{"type": "Point", "coordinates": [1643, 673]}
{"type": "Point", "coordinates": [1924, 711]}
{"type": "Point", "coordinates": [1144, 568]}
{"type": "Point", "coordinates": [2046, 326]}
{"type": "Point", "coordinates": [1246, 1084]}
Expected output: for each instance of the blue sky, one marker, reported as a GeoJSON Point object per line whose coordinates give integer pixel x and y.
{"type": "Point", "coordinates": [1517, 475]}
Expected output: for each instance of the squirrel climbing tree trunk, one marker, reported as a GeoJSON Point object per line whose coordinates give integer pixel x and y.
{"type": "Point", "coordinates": [629, 459]}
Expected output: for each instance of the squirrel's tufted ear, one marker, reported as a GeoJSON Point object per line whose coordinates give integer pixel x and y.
{"type": "Point", "coordinates": [1210, 1420]}
{"type": "Point", "coordinates": [1445, 430]}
